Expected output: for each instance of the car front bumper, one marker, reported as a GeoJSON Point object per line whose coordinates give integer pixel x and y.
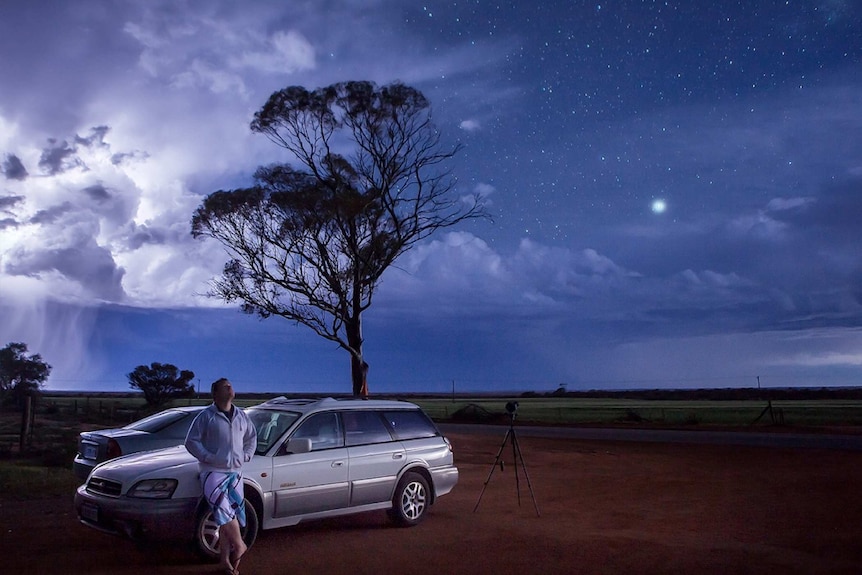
{"type": "Point", "coordinates": [137, 518]}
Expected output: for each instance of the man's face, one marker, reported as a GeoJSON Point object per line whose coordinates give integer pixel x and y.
{"type": "Point", "coordinates": [224, 392]}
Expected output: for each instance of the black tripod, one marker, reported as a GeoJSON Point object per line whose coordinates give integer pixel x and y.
{"type": "Point", "coordinates": [517, 457]}
{"type": "Point", "coordinates": [768, 409]}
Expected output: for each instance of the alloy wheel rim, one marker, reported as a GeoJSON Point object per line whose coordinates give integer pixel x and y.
{"type": "Point", "coordinates": [413, 501]}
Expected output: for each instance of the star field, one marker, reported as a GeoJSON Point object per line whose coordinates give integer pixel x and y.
{"type": "Point", "coordinates": [674, 186]}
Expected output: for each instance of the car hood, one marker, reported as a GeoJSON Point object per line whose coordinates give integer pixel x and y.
{"type": "Point", "coordinates": [171, 462]}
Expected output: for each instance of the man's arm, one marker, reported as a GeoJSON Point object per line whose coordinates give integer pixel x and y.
{"type": "Point", "coordinates": [194, 439]}
{"type": "Point", "coordinates": [249, 441]}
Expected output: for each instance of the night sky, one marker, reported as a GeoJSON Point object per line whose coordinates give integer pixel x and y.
{"type": "Point", "coordinates": [676, 190]}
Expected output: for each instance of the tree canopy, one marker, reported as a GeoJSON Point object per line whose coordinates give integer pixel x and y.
{"type": "Point", "coordinates": [310, 241]}
{"type": "Point", "coordinates": [161, 381]}
{"type": "Point", "coordinates": [20, 375]}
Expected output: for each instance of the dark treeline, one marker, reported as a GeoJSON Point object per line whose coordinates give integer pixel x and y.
{"type": "Point", "coordinates": [722, 394]}
{"type": "Point", "coordinates": [713, 394]}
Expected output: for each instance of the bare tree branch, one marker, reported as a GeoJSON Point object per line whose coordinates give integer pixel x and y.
{"type": "Point", "coordinates": [310, 243]}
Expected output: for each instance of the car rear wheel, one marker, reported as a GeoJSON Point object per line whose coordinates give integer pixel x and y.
{"type": "Point", "coordinates": [207, 533]}
{"type": "Point", "coordinates": [411, 500]}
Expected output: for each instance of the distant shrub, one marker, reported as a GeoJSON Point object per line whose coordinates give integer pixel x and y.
{"type": "Point", "coordinates": [633, 416]}
{"type": "Point", "coordinates": [477, 414]}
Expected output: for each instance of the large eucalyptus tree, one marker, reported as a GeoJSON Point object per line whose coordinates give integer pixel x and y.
{"type": "Point", "coordinates": [367, 179]}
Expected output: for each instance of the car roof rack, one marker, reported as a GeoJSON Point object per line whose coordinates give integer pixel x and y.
{"type": "Point", "coordinates": [324, 401]}
{"type": "Point", "coordinates": [282, 400]}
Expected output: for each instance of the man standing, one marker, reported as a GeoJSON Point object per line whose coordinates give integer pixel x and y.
{"type": "Point", "coordinates": [222, 438]}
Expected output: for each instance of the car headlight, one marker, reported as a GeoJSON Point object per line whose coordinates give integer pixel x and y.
{"type": "Point", "coordinates": [153, 489]}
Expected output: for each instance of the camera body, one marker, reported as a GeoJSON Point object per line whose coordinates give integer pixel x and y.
{"type": "Point", "coordinates": [512, 407]}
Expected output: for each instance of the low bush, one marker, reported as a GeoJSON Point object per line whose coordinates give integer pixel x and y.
{"type": "Point", "coordinates": [22, 480]}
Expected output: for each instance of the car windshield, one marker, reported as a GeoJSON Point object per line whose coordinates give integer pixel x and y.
{"type": "Point", "coordinates": [270, 424]}
{"type": "Point", "coordinates": [157, 421]}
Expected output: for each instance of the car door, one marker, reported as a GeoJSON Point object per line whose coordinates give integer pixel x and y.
{"type": "Point", "coordinates": [315, 481]}
{"type": "Point", "coordinates": [376, 458]}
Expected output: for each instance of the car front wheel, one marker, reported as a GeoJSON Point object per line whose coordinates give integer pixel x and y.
{"type": "Point", "coordinates": [411, 500]}
{"type": "Point", "coordinates": [207, 533]}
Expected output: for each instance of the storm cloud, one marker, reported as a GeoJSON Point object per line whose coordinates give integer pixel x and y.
{"type": "Point", "coordinates": [573, 121]}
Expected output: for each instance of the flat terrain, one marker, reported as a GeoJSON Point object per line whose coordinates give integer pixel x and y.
{"type": "Point", "coordinates": [606, 507]}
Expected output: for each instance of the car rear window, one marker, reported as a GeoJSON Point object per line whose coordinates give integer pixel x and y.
{"type": "Point", "coordinates": [410, 424]}
{"type": "Point", "coordinates": [158, 421]}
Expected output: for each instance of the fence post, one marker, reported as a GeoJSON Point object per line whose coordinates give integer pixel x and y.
{"type": "Point", "coordinates": [25, 424]}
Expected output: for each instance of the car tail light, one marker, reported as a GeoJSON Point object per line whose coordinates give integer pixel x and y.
{"type": "Point", "coordinates": [113, 449]}
{"type": "Point", "coordinates": [449, 443]}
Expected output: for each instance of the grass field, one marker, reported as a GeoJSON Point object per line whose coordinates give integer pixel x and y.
{"type": "Point", "coordinates": [600, 411]}
{"type": "Point", "coordinates": [549, 410]}
{"type": "Point", "coordinates": [46, 460]}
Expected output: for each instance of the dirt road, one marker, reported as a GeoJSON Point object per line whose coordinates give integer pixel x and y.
{"type": "Point", "coordinates": [606, 507]}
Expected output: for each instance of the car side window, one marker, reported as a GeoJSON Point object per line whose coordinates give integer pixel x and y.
{"type": "Point", "coordinates": [410, 424]}
{"type": "Point", "coordinates": [364, 427]}
{"type": "Point", "coordinates": [323, 429]}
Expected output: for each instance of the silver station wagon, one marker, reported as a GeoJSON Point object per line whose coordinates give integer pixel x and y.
{"type": "Point", "coordinates": [314, 459]}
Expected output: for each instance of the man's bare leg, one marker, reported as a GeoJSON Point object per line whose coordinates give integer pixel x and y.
{"type": "Point", "coordinates": [231, 545]}
{"type": "Point", "coordinates": [224, 546]}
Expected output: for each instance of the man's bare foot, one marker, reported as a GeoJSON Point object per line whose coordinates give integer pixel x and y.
{"type": "Point", "coordinates": [236, 557]}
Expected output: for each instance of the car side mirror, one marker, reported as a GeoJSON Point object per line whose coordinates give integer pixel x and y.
{"type": "Point", "coordinates": [299, 445]}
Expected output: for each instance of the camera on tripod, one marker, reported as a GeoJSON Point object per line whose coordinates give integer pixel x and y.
{"type": "Point", "coordinates": [517, 457]}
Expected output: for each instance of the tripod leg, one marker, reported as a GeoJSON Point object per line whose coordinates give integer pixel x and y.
{"type": "Point", "coordinates": [515, 465]}
{"type": "Point", "coordinates": [493, 467]}
{"type": "Point", "coordinates": [520, 458]}
{"type": "Point", "coordinates": [766, 409]}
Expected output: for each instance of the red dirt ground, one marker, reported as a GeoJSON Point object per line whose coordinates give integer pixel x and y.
{"type": "Point", "coordinates": [606, 507]}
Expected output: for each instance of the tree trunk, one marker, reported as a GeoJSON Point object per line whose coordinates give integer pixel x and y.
{"type": "Point", "coordinates": [358, 366]}
{"type": "Point", "coordinates": [359, 375]}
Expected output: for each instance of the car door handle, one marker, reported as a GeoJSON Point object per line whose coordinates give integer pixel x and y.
{"type": "Point", "coordinates": [337, 464]}
{"type": "Point", "coordinates": [397, 456]}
